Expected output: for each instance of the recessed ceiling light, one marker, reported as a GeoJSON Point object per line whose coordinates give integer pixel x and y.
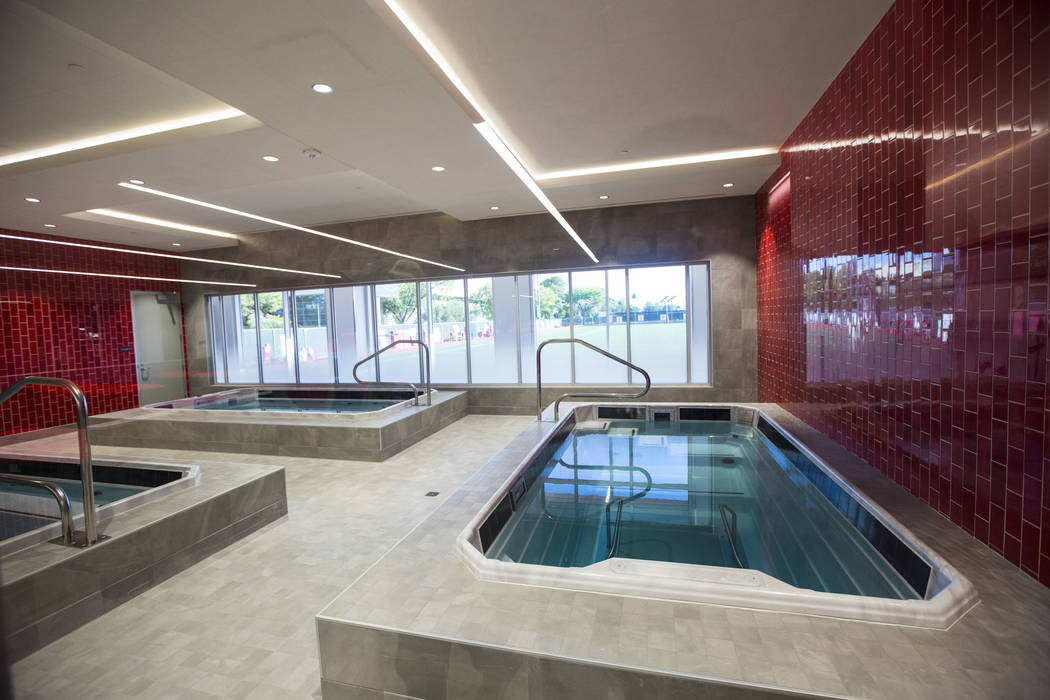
{"type": "Point", "coordinates": [321, 88]}
{"type": "Point", "coordinates": [163, 223]}
{"type": "Point", "coordinates": [282, 224]}
{"type": "Point", "coordinates": [728, 185]}
{"type": "Point", "coordinates": [603, 196]}
{"type": "Point", "coordinates": [271, 159]}
{"type": "Point", "coordinates": [165, 255]}
{"type": "Point", "coordinates": [49, 226]}
{"type": "Point", "coordinates": [137, 182]}
{"type": "Point", "coordinates": [126, 277]}
{"type": "Point", "coordinates": [438, 168]}
{"type": "Point", "coordinates": [32, 200]}
{"type": "Point", "coordinates": [176, 244]}
{"type": "Point", "coordinates": [124, 135]}
{"type": "Point", "coordinates": [494, 208]}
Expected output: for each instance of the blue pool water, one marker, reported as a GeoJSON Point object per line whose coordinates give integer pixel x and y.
{"type": "Point", "coordinates": [712, 493]}
{"type": "Point", "coordinates": [292, 405]}
{"type": "Point", "coordinates": [24, 508]}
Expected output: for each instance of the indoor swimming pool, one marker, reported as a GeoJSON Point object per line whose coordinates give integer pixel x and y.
{"type": "Point", "coordinates": [714, 504]}
{"type": "Point", "coordinates": [331, 401]}
{"type": "Point", "coordinates": [29, 514]}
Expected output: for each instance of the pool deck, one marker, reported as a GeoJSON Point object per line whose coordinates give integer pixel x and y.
{"type": "Point", "coordinates": [49, 590]}
{"type": "Point", "coordinates": [418, 624]}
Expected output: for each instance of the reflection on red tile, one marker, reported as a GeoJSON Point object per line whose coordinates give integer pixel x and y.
{"type": "Point", "coordinates": [902, 267]}
{"type": "Point", "coordinates": [69, 326]}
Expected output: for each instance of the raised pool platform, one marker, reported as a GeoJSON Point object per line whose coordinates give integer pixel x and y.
{"type": "Point", "coordinates": [49, 589]}
{"type": "Point", "coordinates": [372, 436]}
{"type": "Point", "coordinates": [419, 624]}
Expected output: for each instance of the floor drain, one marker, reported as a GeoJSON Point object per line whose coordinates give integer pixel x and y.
{"type": "Point", "coordinates": [433, 493]}
{"type": "Point", "coordinates": [728, 460]}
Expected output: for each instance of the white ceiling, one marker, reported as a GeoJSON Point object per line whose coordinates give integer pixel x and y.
{"type": "Point", "coordinates": [569, 84]}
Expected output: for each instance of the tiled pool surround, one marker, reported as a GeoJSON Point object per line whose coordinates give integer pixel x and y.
{"type": "Point", "coordinates": [49, 590]}
{"type": "Point", "coordinates": [163, 479]}
{"type": "Point", "coordinates": [373, 436]}
{"type": "Point", "coordinates": [447, 634]}
{"type": "Point", "coordinates": [943, 593]}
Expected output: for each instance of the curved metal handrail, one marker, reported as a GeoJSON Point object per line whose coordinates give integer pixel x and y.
{"type": "Point", "coordinates": [583, 395]}
{"type": "Point", "coordinates": [68, 538]}
{"type": "Point", "coordinates": [415, 391]}
{"type": "Point", "coordinates": [80, 404]}
{"type": "Point", "coordinates": [730, 526]}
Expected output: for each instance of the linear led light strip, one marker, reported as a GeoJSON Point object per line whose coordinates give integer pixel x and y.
{"type": "Point", "coordinates": [483, 124]}
{"type": "Point", "coordinates": [164, 223]}
{"type": "Point", "coordinates": [500, 147]}
{"type": "Point", "coordinates": [168, 255]}
{"type": "Point", "coordinates": [127, 277]}
{"type": "Point", "coordinates": [657, 163]}
{"type": "Point", "coordinates": [282, 224]}
{"type": "Point", "coordinates": [123, 135]}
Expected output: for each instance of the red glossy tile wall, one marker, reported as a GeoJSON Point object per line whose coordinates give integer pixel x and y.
{"type": "Point", "coordinates": [903, 265]}
{"type": "Point", "coordinates": [69, 326]}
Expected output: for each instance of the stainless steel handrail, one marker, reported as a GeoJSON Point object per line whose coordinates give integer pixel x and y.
{"type": "Point", "coordinates": [582, 395]}
{"type": "Point", "coordinates": [64, 512]}
{"type": "Point", "coordinates": [415, 392]}
{"type": "Point", "coordinates": [86, 478]}
{"type": "Point", "coordinates": [730, 531]}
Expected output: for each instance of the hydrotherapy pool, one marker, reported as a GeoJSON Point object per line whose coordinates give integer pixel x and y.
{"type": "Point", "coordinates": [707, 504]}
{"type": "Point", "coordinates": [330, 401]}
{"type": "Point", "coordinates": [30, 515]}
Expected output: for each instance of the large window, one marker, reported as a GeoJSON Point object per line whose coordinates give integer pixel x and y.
{"type": "Point", "coordinates": [480, 330]}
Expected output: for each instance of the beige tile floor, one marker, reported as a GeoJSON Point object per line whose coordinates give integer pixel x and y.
{"type": "Point", "coordinates": [240, 624]}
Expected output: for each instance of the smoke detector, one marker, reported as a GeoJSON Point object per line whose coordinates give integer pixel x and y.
{"type": "Point", "coordinates": [311, 152]}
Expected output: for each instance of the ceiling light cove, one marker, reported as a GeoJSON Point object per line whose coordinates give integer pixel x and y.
{"type": "Point", "coordinates": [282, 224]}
{"type": "Point", "coordinates": [163, 223]}
{"type": "Point", "coordinates": [656, 163]}
{"type": "Point", "coordinates": [501, 148]}
{"type": "Point", "coordinates": [153, 254]}
{"type": "Point", "coordinates": [455, 87]}
{"type": "Point", "coordinates": [126, 277]}
{"type": "Point", "coordinates": [122, 135]}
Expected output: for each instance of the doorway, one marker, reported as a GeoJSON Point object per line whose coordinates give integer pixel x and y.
{"type": "Point", "coordinates": [160, 365]}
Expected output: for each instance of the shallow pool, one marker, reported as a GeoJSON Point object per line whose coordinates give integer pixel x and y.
{"type": "Point", "coordinates": [698, 492]}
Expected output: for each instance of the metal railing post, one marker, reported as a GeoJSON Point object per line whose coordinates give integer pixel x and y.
{"type": "Point", "coordinates": [409, 341]}
{"type": "Point", "coordinates": [584, 395]}
{"type": "Point", "coordinates": [86, 476]}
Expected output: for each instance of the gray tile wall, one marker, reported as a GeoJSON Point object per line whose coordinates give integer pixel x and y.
{"type": "Point", "coordinates": [719, 230]}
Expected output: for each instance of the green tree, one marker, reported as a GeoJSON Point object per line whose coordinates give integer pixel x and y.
{"type": "Point", "coordinates": [481, 301]}
{"type": "Point", "coordinates": [401, 307]}
{"type": "Point", "coordinates": [552, 298]}
{"type": "Point", "coordinates": [271, 310]}
{"type": "Point", "coordinates": [588, 302]}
